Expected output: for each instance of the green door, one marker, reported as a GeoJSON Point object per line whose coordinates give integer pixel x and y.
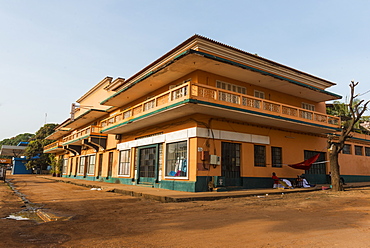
{"type": "Point", "coordinates": [148, 165]}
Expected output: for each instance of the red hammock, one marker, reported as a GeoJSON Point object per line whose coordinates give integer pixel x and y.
{"type": "Point", "coordinates": [305, 165]}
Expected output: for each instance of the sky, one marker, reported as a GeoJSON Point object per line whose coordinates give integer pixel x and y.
{"type": "Point", "coordinates": [52, 52]}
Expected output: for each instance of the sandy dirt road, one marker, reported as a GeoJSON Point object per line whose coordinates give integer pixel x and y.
{"type": "Point", "coordinates": [105, 219]}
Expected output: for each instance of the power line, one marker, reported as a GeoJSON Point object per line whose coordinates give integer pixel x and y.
{"type": "Point", "coordinates": [364, 93]}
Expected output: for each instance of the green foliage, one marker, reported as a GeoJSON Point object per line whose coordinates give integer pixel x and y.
{"type": "Point", "coordinates": [56, 166]}
{"type": "Point", "coordinates": [342, 110]}
{"type": "Point", "coordinates": [36, 147]}
{"type": "Point", "coordinates": [25, 137]}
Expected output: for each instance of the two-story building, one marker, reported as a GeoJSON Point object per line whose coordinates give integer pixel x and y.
{"type": "Point", "coordinates": [204, 115]}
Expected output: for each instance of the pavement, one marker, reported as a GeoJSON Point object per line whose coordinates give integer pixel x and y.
{"type": "Point", "coordinates": [165, 195]}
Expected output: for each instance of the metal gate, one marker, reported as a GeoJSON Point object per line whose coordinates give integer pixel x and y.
{"type": "Point", "coordinates": [147, 169]}
{"type": "Point", "coordinates": [230, 161]}
{"type": "Point", "coordinates": [317, 172]}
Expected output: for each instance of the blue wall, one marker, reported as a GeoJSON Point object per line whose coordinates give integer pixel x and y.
{"type": "Point", "coordinates": [19, 166]}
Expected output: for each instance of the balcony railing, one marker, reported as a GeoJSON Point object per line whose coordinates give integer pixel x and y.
{"type": "Point", "coordinates": [56, 144]}
{"type": "Point", "coordinates": [176, 94]}
{"type": "Point", "coordinates": [82, 134]}
{"type": "Point", "coordinates": [211, 94]}
{"type": "Point", "coordinates": [253, 103]}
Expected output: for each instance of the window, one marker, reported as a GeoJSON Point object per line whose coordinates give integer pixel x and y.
{"type": "Point", "coordinates": [228, 97]}
{"type": "Point", "coordinates": [231, 87]}
{"type": "Point", "coordinates": [176, 159]}
{"type": "Point", "coordinates": [276, 155]}
{"type": "Point", "coordinates": [258, 94]}
{"type": "Point", "coordinates": [81, 167]}
{"type": "Point", "coordinates": [259, 156]}
{"type": "Point", "coordinates": [346, 149]}
{"type": "Point", "coordinates": [308, 106]}
{"type": "Point", "coordinates": [358, 150]}
{"type": "Point", "coordinates": [65, 164]}
{"type": "Point", "coordinates": [91, 164]}
{"type": "Point", "coordinates": [306, 114]}
{"type": "Point", "coordinates": [124, 163]}
{"type": "Point", "coordinates": [367, 151]}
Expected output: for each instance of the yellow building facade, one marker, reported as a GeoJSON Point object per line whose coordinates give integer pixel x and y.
{"type": "Point", "coordinates": [205, 115]}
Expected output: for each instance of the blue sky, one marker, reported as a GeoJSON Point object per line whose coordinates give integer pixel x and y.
{"type": "Point", "coordinates": [52, 52]}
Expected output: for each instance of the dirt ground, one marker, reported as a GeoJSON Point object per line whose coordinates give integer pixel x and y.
{"type": "Point", "coordinates": [106, 219]}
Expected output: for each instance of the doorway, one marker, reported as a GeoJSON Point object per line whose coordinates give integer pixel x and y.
{"type": "Point", "coordinates": [148, 164]}
{"type": "Point", "coordinates": [230, 162]}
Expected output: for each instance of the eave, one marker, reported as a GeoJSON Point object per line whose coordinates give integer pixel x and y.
{"type": "Point", "coordinates": [89, 116]}
{"type": "Point", "coordinates": [192, 60]}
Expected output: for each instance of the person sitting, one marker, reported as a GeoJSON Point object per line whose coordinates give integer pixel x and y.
{"type": "Point", "coordinates": [298, 182]}
{"type": "Point", "coordinates": [306, 184]}
{"type": "Point", "coordinates": [276, 181]}
{"type": "Point", "coordinates": [286, 183]}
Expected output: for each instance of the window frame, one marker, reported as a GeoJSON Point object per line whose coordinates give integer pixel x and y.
{"type": "Point", "coordinates": [81, 165]}
{"type": "Point", "coordinates": [167, 174]}
{"type": "Point", "coordinates": [231, 87]}
{"type": "Point", "coordinates": [263, 156]}
{"type": "Point", "coordinates": [359, 150]}
{"type": "Point", "coordinates": [345, 150]}
{"type": "Point", "coordinates": [90, 166]}
{"type": "Point", "coordinates": [279, 158]}
{"type": "Point", "coordinates": [126, 163]}
{"type": "Point", "coordinates": [65, 166]}
{"type": "Point", "coordinates": [367, 151]}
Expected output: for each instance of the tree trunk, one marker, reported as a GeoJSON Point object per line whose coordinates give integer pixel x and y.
{"type": "Point", "coordinates": [334, 169]}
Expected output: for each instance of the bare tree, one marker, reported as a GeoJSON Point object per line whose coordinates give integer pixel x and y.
{"type": "Point", "coordinates": [356, 109]}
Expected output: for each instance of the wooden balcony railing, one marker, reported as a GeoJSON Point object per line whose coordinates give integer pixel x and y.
{"type": "Point", "coordinates": [211, 94]}
{"type": "Point", "coordinates": [82, 133]}
{"type": "Point", "coordinates": [55, 144]}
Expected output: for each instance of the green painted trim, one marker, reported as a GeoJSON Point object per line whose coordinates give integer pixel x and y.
{"type": "Point", "coordinates": [165, 184]}
{"type": "Point", "coordinates": [72, 141]}
{"type": "Point", "coordinates": [223, 60]}
{"type": "Point", "coordinates": [52, 149]}
{"type": "Point", "coordinates": [354, 138]}
{"type": "Point", "coordinates": [220, 106]}
{"type": "Point", "coordinates": [178, 185]}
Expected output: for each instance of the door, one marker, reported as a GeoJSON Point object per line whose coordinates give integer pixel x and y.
{"type": "Point", "coordinates": [110, 164]}
{"type": "Point", "coordinates": [100, 165]}
{"type": "Point", "coordinates": [148, 164]}
{"type": "Point", "coordinates": [230, 162]}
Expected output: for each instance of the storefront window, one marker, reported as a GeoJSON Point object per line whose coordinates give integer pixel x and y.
{"type": "Point", "coordinates": [176, 159]}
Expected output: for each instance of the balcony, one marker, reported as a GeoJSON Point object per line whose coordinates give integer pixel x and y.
{"type": "Point", "coordinates": [89, 136]}
{"type": "Point", "coordinates": [54, 147]}
{"type": "Point", "coordinates": [191, 98]}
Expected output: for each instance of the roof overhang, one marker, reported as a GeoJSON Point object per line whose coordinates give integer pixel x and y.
{"type": "Point", "coordinates": [191, 60]}
{"type": "Point", "coordinates": [14, 151]}
{"type": "Point", "coordinates": [58, 134]}
{"type": "Point", "coordinates": [85, 118]}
